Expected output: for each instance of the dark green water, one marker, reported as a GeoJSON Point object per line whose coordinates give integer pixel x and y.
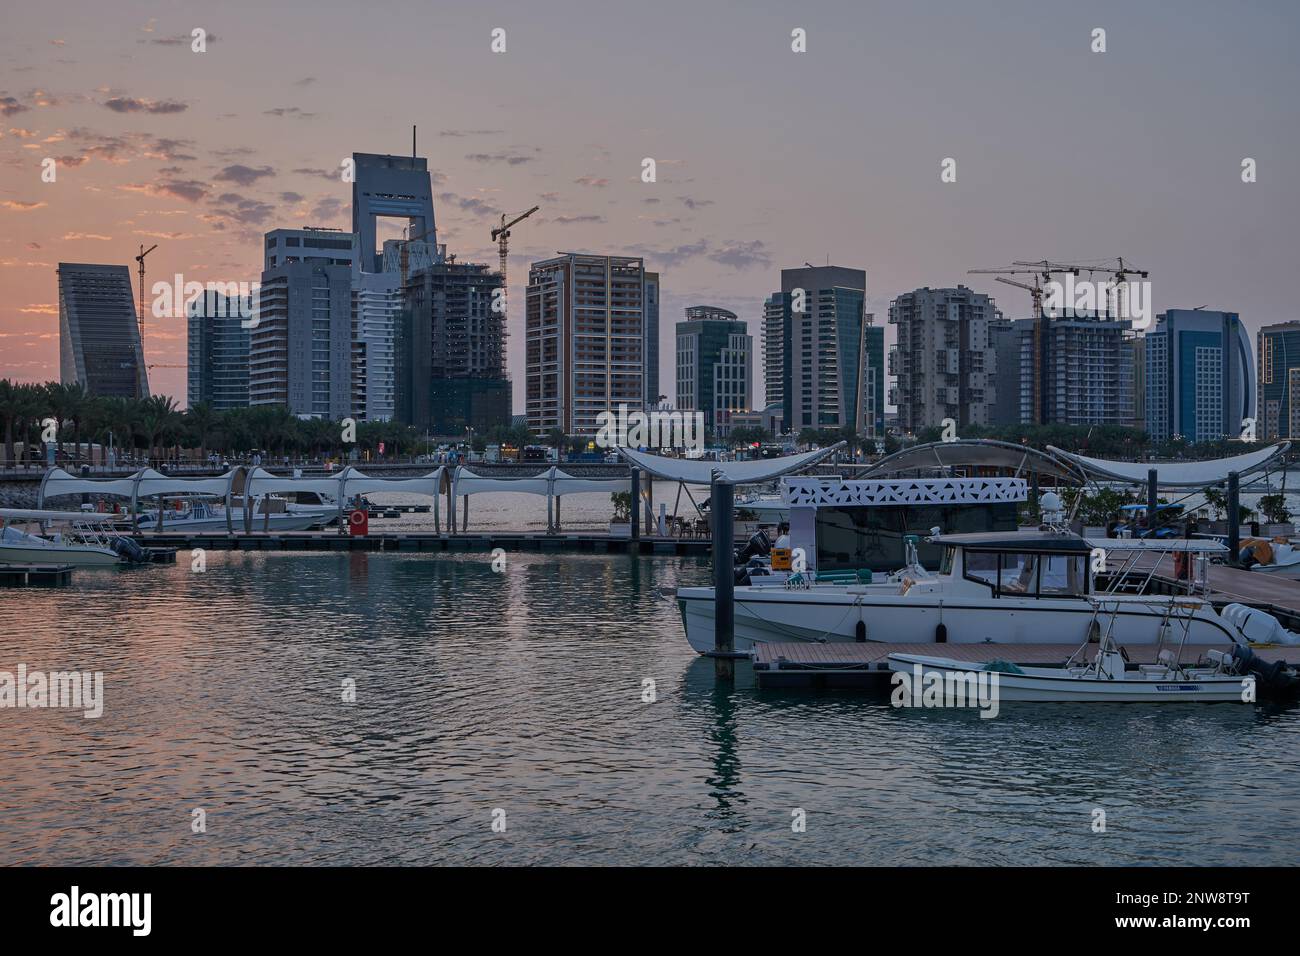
{"type": "Point", "coordinates": [522, 692]}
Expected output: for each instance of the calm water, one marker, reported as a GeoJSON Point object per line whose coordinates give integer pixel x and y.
{"type": "Point", "coordinates": [522, 691]}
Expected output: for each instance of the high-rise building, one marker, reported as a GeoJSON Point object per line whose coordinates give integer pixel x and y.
{"type": "Point", "coordinates": [396, 187]}
{"type": "Point", "coordinates": [450, 351]}
{"type": "Point", "coordinates": [302, 350]}
{"type": "Point", "coordinates": [823, 357]}
{"type": "Point", "coordinates": [945, 361]}
{"type": "Point", "coordinates": [714, 366]}
{"type": "Point", "coordinates": [99, 334]}
{"type": "Point", "coordinates": [217, 354]}
{"type": "Point", "coordinates": [652, 393]}
{"type": "Point", "coordinates": [377, 306]}
{"type": "Point", "coordinates": [585, 341]}
{"type": "Point", "coordinates": [1279, 382]}
{"type": "Point", "coordinates": [1074, 370]}
{"type": "Point", "coordinates": [1200, 381]}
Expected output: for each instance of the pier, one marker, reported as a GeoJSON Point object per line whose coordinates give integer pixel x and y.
{"type": "Point", "coordinates": [851, 665]}
{"type": "Point", "coordinates": [593, 542]}
{"type": "Point", "coordinates": [35, 575]}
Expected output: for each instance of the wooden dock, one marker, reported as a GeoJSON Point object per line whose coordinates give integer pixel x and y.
{"type": "Point", "coordinates": [1278, 596]}
{"type": "Point", "coordinates": [35, 575]}
{"type": "Point", "coordinates": [426, 541]}
{"type": "Point", "coordinates": [841, 665]}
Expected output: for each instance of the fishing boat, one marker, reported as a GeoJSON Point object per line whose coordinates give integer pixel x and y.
{"type": "Point", "coordinates": [1108, 677]}
{"type": "Point", "coordinates": [80, 539]}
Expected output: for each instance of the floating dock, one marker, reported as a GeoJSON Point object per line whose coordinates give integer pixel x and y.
{"type": "Point", "coordinates": [843, 665]}
{"type": "Point", "coordinates": [35, 575]}
{"type": "Point", "coordinates": [429, 541]}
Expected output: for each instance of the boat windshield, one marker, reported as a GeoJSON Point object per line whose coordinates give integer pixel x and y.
{"type": "Point", "coordinates": [1029, 574]}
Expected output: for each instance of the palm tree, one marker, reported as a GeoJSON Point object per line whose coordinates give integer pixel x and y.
{"type": "Point", "coordinates": [157, 418]}
{"type": "Point", "coordinates": [57, 404]}
{"type": "Point", "coordinates": [76, 405]}
{"type": "Point", "coordinates": [11, 406]}
{"type": "Point", "coordinates": [201, 419]}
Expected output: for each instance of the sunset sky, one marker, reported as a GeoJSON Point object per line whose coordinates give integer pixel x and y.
{"type": "Point", "coordinates": [766, 158]}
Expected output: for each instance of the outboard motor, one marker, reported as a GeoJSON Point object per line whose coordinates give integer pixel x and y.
{"type": "Point", "coordinates": [1271, 674]}
{"type": "Point", "coordinates": [759, 545]}
{"type": "Point", "coordinates": [129, 549]}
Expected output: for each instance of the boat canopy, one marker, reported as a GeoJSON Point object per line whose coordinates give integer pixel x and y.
{"type": "Point", "coordinates": [1070, 544]}
{"type": "Point", "coordinates": [698, 472]}
{"type": "Point", "coordinates": [1174, 474]}
{"type": "Point", "coordinates": [967, 453]}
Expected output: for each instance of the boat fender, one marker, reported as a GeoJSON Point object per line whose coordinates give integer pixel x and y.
{"type": "Point", "coordinates": [941, 634]}
{"type": "Point", "coordinates": [860, 632]}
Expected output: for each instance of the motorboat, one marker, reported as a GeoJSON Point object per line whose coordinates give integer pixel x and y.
{"type": "Point", "coordinates": [80, 539]}
{"type": "Point", "coordinates": [1107, 678]}
{"type": "Point", "coordinates": [198, 515]}
{"type": "Point", "coordinates": [1278, 557]}
{"type": "Point", "coordinates": [1023, 587]}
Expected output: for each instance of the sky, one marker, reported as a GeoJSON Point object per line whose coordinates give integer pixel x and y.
{"type": "Point", "coordinates": [765, 158]}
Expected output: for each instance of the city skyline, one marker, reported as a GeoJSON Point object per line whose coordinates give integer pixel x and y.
{"type": "Point", "coordinates": [155, 144]}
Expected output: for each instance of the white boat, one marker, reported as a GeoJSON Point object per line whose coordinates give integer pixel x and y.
{"type": "Point", "coordinates": [82, 540]}
{"type": "Point", "coordinates": [196, 515]}
{"type": "Point", "coordinates": [1107, 678]}
{"type": "Point", "coordinates": [1279, 557]}
{"type": "Point", "coordinates": [1034, 587]}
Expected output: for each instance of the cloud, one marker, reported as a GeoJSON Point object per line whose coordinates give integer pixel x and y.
{"type": "Point", "coordinates": [72, 236]}
{"type": "Point", "coordinates": [333, 175]}
{"type": "Point", "coordinates": [242, 175]}
{"type": "Point", "coordinates": [511, 159]}
{"type": "Point", "coordinates": [129, 146]}
{"type": "Point", "coordinates": [180, 39]}
{"type": "Point", "coordinates": [569, 220]}
{"type": "Point", "coordinates": [471, 205]}
{"type": "Point", "coordinates": [173, 236]}
{"type": "Point", "coordinates": [191, 190]}
{"type": "Point", "coordinates": [9, 106]}
{"type": "Point", "coordinates": [292, 197]}
{"type": "Point", "coordinates": [470, 132]}
{"type": "Point", "coordinates": [18, 205]}
{"type": "Point", "coordinates": [21, 133]}
{"type": "Point", "coordinates": [129, 104]}
{"type": "Point", "coordinates": [595, 181]}
{"type": "Point", "coordinates": [327, 210]}
{"type": "Point", "coordinates": [305, 81]}
{"type": "Point", "coordinates": [742, 255]}
{"type": "Point", "coordinates": [241, 209]}
{"type": "Point", "coordinates": [293, 111]}
{"type": "Point", "coordinates": [42, 308]}
{"type": "Point", "coordinates": [690, 203]}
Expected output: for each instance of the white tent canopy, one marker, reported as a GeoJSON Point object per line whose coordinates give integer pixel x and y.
{"type": "Point", "coordinates": [348, 482]}
{"type": "Point", "coordinates": [1183, 474]}
{"type": "Point", "coordinates": [142, 484]}
{"type": "Point", "coordinates": [553, 483]}
{"type": "Point", "coordinates": [696, 472]}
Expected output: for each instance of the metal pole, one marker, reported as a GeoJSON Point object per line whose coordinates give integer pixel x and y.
{"type": "Point", "coordinates": [1152, 504]}
{"type": "Point", "coordinates": [1234, 516]}
{"type": "Point", "coordinates": [724, 580]}
{"type": "Point", "coordinates": [635, 516]}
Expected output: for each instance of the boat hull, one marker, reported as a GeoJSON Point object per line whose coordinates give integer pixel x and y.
{"type": "Point", "coordinates": [1039, 685]}
{"type": "Point", "coordinates": [777, 615]}
{"type": "Point", "coordinates": [80, 556]}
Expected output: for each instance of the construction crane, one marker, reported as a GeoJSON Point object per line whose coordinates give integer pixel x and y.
{"type": "Point", "coordinates": [406, 258]}
{"type": "Point", "coordinates": [501, 236]}
{"type": "Point", "coordinates": [1043, 270]}
{"type": "Point", "coordinates": [1120, 272]}
{"type": "Point", "coordinates": [142, 385]}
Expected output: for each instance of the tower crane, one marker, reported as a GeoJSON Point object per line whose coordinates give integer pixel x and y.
{"type": "Point", "coordinates": [1041, 270]}
{"type": "Point", "coordinates": [142, 386]}
{"type": "Point", "coordinates": [501, 236]}
{"type": "Point", "coordinates": [1120, 272]}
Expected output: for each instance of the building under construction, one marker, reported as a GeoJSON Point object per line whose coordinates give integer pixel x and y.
{"type": "Point", "coordinates": [450, 351]}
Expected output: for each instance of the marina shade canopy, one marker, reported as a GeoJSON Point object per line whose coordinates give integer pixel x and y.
{"type": "Point", "coordinates": [348, 482]}
{"type": "Point", "coordinates": [552, 482]}
{"type": "Point", "coordinates": [974, 453]}
{"type": "Point", "coordinates": [1170, 474]}
{"type": "Point", "coordinates": [142, 484]}
{"type": "Point", "coordinates": [696, 472]}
